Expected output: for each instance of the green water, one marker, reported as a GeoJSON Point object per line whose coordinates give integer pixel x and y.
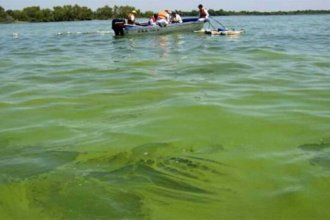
{"type": "Point", "coordinates": [181, 126]}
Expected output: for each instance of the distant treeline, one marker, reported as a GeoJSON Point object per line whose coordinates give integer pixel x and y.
{"type": "Point", "coordinates": [80, 13]}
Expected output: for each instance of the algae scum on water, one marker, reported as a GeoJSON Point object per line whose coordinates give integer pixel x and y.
{"type": "Point", "coordinates": [319, 154]}
{"type": "Point", "coordinates": [134, 184]}
{"type": "Point", "coordinates": [106, 185]}
{"type": "Point", "coordinates": [20, 164]}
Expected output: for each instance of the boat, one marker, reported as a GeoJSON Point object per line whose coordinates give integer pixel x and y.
{"type": "Point", "coordinates": [121, 28]}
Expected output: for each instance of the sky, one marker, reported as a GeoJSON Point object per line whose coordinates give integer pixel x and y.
{"type": "Point", "coordinates": [185, 5]}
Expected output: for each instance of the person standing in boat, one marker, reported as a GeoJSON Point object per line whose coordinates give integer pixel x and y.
{"type": "Point", "coordinates": [163, 18]}
{"type": "Point", "coordinates": [203, 13]}
{"type": "Point", "coordinates": [131, 17]}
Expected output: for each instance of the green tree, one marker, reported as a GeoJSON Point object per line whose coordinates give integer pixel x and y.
{"type": "Point", "coordinates": [17, 15]}
{"type": "Point", "coordinates": [3, 14]}
{"type": "Point", "coordinates": [58, 13]}
{"type": "Point", "coordinates": [32, 13]}
{"type": "Point", "coordinates": [122, 11]}
{"type": "Point", "coordinates": [147, 14]}
{"type": "Point", "coordinates": [82, 13]}
{"type": "Point", "coordinates": [68, 13]}
{"type": "Point", "coordinates": [104, 13]}
{"type": "Point", "coordinates": [76, 12]}
{"type": "Point", "coordinates": [47, 15]}
{"type": "Point", "coordinates": [63, 13]}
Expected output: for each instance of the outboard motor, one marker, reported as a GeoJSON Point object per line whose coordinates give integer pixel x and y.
{"type": "Point", "coordinates": [118, 26]}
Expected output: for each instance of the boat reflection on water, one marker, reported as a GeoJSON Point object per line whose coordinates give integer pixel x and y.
{"type": "Point", "coordinates": [164, 45]}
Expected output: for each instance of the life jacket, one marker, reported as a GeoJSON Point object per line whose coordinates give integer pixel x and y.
{"type": "Point", "coordinates": [163, 15]}
{"type": "Point", "coordinates": [202, 13]}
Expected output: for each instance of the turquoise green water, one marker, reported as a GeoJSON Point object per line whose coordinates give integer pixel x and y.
{"type": "Point", "coordinates": [181, 126]}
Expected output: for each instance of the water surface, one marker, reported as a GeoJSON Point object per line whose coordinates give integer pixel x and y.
{"type": "Point", "coordinates": [180, 126]}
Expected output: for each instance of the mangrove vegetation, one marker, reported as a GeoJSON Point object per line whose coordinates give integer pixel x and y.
{"type": "Point", "coordinates": [81, 13]}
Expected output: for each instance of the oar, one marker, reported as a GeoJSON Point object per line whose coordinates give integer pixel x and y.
{"type": "Point", "coordinates": [223, 26]}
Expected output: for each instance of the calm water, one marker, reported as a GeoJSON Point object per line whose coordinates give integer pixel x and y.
{"type": "Point", "coordinates": [181, 126]}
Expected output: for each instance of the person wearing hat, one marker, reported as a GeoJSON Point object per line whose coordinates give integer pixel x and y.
{"type": "Point", "coordinates": [131, 17]}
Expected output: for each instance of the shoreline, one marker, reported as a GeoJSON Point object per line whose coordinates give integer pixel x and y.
{"type": "Point", "coordinates": [231, 15]}
{"type": "Point", "coordinates": [82, 13]}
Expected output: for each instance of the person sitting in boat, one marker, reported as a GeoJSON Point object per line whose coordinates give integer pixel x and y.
{"type": "Point", "coordinates": [203, 13]}
{"type": "Point", "coordinates": [131, 17]}
{"type": "Point", "coordinates": [153, 19]}
{"type": "Point", "coordinates": [176, 18]}
{"type": "Point", "coordinates": [163, 18]}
